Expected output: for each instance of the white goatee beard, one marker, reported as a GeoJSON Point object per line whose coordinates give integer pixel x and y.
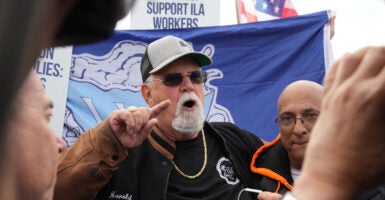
{"type": "Point", "coordinates": [189, 122]}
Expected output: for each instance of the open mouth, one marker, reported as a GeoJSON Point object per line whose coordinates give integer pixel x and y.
{"type": "Point", "coordinates": [189, 104]}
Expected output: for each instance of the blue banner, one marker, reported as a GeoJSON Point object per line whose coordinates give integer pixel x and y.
{"type": "Point", "coordinates": [252, 63]}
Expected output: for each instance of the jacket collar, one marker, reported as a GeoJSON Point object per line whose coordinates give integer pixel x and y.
{"type": "Point", "coordinates": [164, 145]}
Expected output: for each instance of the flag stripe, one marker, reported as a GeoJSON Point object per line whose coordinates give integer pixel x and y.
{"type": "Point", "coordinates": [263, 10]}
{"type": "Point", "coordinates": [248, 13]}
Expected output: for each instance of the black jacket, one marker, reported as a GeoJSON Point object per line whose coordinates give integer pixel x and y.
{"type": "Point", "coordinates": [145, 173]}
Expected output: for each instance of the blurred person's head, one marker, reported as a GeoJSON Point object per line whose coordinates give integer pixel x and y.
{"type": "Point", "coordinates": [89, 21]}
{"type": "Point", "coordinates": [298, 109]}
{"type": "Point", "coordinates": [38, 24]}
{"type": "Point", "coordinates": [34, 146]}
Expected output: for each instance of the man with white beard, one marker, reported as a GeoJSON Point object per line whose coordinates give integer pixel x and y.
{"type": "Point", "coordinates": [191, 121]}
{"type": "Point", "coordinates": [166, 151]}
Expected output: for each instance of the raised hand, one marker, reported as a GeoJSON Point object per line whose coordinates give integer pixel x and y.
{"type": "Point", "coordinates": [132, 126]}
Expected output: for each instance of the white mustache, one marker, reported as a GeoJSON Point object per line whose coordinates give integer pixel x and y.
{"type": "Point", "coordinates": [189, 122]}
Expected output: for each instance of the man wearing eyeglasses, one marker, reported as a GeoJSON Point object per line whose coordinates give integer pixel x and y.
{"type": "Point", "coordinates": [279, 163]}
{"type": "Point", "coordinates": [166, 151]}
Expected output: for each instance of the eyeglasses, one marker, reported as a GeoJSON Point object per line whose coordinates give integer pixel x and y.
{"type": "Point", "coordinates": [289, 120]}
{"type": "Point", "coordinates": [175, 79]}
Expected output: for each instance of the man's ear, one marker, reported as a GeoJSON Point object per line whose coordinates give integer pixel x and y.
{"type": "Point", "coordinates": [146, 93]}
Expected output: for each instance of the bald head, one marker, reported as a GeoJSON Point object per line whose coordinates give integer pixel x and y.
{"type": "Point", "coordinates": [302, 90]}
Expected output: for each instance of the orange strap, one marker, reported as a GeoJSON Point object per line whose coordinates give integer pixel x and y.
{"type": "Point", "coordinates": [261, 149]}
{"type": "Point", "coordinates": [267, 172]}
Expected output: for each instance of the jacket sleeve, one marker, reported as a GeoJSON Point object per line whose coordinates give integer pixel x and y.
{"type": "Point", "coordinates": [88, 165]}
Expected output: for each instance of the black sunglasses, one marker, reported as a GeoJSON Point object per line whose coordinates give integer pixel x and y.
{"type": "Point", "coordinates": [175, 79]}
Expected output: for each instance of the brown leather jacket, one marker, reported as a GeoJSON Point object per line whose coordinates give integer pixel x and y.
{"type": "Point", "coordinates": [92, 174]}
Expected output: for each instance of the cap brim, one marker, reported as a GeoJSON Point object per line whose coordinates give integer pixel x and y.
{"type": "Point", "coordinates": [201, 58]}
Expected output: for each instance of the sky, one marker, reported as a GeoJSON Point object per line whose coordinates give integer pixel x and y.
{"type": "Point", "coordinates": [358, 23]}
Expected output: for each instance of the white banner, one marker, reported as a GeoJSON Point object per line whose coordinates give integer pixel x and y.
{"type": "Point", "coordinates": [175, 14]}
{"type": "Point", "coordinates": [53, 67]}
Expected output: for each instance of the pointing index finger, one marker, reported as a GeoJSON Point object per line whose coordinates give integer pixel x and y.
{"type": "Point", "coordinates": [159, 108]}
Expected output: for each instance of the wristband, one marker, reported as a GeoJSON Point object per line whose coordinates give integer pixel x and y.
{"type": "Point", "coordinates": [289, 196]}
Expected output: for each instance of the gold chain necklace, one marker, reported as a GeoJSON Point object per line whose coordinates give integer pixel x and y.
{"type": "Point", "coordinates": [204, 161]}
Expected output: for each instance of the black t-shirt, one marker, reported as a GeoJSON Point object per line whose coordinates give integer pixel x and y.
{"type": "Point", "coordinates": [218, 180]}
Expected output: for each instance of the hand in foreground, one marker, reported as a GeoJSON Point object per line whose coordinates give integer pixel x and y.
{"type": "Point", "coordinates": [133, 126]}
{"type": "Point", "coordinates": [346, 149]}
{"type": "Point", "coordinates": [269, 196]}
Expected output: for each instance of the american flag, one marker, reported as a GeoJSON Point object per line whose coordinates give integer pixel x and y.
{"type": "Point", "coordinates": [262, 10]}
